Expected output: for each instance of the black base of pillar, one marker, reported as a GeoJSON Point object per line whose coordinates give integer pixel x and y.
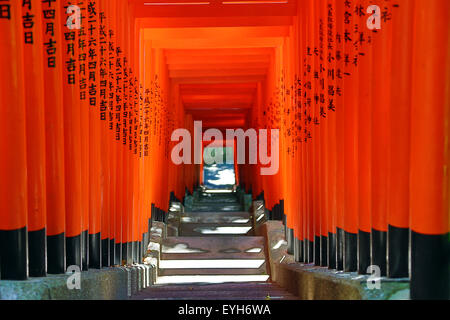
{"type": "Point", "coordinates": [145, 241]}
{"type": "Point", "coordinates": [127, 253]}
{"type": "Point", "coordinates": [95, 251]}
{"type": "Point", "coordinates": [398, 252]}
{"type": "Point", "coordinates": [379, 250]}
{"type": "Point", "coordinates": [37, 248]}
{"type": "Point", "coordinates": [14, 254]}
{"type": "Point", "coordinates": [124, 253]}
{"type": "Point", "coordinates": [317, 251]}
{"type": "Point", "coordinates": [134, 251]}
{"type": "Point", "coordinates": [298, 250]}
{"type": "Point", "coordinates": [331, 250]}
{"type": "Point", "coordinates": [363, 251]}
{"type": "Point", "coordinates": [56, 254]}
{"type": "Point", "coordinates": [73, 251]}
{"type": "Point", "coordinates": [323, 251]}
{"type": "Point", "coordinates": [85, 250]}
{"type": "Point", "coordinates": [118, 254]}
{"type": "Point", "coordinates": [350, 252]}
{"type": "Point", "coordinates": [140, 255]}
{"type": "Point", "coordinates": [430, 266]}
{"type": "Point", "coordinates": [340, 249]}
{"type": "Point", "coordinates": [309, 246]}
{"type": "Point", "coordinates": [105, 253]}
{"type": "Point", "coordinates": [290, 240]}
{"type": "Point", "coordinates": [112, 251]}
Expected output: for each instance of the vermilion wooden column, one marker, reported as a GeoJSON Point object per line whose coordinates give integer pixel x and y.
{"type": "Point", "coordinates": [297, 92]}
{"type": "Point", "coordinates": [95, 163]}
{"type": "Point", "coordinates": [303, 131]}
{"type": "Point", "coordinates": [364, 141]}
{"type": "Point", "coordinates": [13, 162]}
{"type": "Point", "coordinates": [381, 106]}
{"type": "Point", "coordinates": [398, 196]}
{"type": "Point", "coordinates": [340, 125]}
{"type": "Point", "coordinates": [310, 114]}
{"type": "Point", "coordinates": [331, 138]}
{"type": "Point", "coordinates": [323, 115]}
{"type": "Point", "coordinates": [83, 83]}
{"type": "Point", "coordinates": [113, 202]}
{"type": "Point", "coordinates": [72, 139]}
{"type": "Point", "coordinates": [118, 163]}
{"type": "Point", "coordinates": [54, 137]}
{"type": "Point", "coordinates": [35, 121]}
{"type": "Point", "coordinates": [430, 152]}
{"type": "Point", "coordinates": [350, 106]}
{"type": "Point", "coordinates": [105, 145]}
{"type": "Point", "coordinates": [315, 131]}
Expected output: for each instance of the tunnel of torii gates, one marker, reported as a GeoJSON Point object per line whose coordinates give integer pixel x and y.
{"type": "Point", "coordinates": [359, 90]}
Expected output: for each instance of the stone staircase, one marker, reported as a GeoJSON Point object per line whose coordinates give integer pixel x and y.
{"type": "Point", "coordinates": [214, 256]}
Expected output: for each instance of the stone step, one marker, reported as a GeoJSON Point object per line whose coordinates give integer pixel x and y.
{"type": "Point", "coordinates": [215, 229]}
{"type": "Point", "coordinates": [191, 248]}
{"type": "Point", "coordinates": [217, 207]}
{"type": "Point", "coordinates": [232, 291]}
{"type": "Point", "coordinates": [212, 271]}
{"type": "Point", "coordinates": [216, 217]}
{"type": "Point", "coordinates": [209, 279]}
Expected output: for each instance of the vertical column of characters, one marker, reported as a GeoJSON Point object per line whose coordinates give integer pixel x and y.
{"type": "Point", "coordinates": [323, 129]}
{"type": "Point", "coordinates": [430, 152]}
{"type": "Point", "coordinates": [84, 109]}
{"type": "Point", "coordinates": [35, 128]}
{"type": "Point", "coordinates": [340, 125]}
{"type": "Point", "coordinates": [330, 87]}
{"type": "Point", "coordinates": [350, 103]}
{"type": "Point", "coordinates": [13, 144]}
{"type": "Point", "coordinates": [381, 107]}
{"type": "Point", "coordinates": [363, 37]}
{"type": "Point", "coordinates": [398, 196]}
{"type": "Point", "coordinates": [72, 131]}
{"type": "Point", "coordinates": [105, 144]}
{"type": "Point", "coordinates": [96, 172]}
{"type": "Point", "coordinates": [54, 136]}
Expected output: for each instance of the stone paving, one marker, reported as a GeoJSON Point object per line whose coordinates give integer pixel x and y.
{"type": "Point", "coordinates": [215, 256]}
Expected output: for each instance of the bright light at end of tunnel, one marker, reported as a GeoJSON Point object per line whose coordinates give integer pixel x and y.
{"type": "Point", "coordinates": [223, 230]}
{"type": "Point", "coordinates": [212, 264]}
{"type": "Point", "coordinates": [211, 279]}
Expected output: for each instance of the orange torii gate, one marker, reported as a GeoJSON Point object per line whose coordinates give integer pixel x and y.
{"type": "Point", "coordinates": [92, 90]}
